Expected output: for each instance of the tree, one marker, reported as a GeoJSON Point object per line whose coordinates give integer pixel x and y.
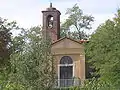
{"type": "Point", "coordinates": [32, 65]}
{"type": "Point", "coordinates": [104, 49]}
{"type": "Point", "coordinates": [5, 40]}
{"type": "Point", "coordinates": [76, 23]}
{"type": "Point", "coordinates": [5, 49]}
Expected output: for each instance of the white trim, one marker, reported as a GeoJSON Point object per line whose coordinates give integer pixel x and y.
{"type": "Point", "coordinates": [65, 64]}
{"type": "Point", "coordinates": [59, 72]}
{"type": "Point", "coordinates": [58, 75]}
{"type": "Point", "coordinates": [73, 70]}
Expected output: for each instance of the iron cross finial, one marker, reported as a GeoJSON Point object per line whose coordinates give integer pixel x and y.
{"type": "Point", "coordinates": [51, 5]}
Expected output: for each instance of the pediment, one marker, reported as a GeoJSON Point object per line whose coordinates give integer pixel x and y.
{"type": "Point", "coordinates": [66, 43]}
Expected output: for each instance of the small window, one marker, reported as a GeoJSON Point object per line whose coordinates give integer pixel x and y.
{"type": "Point", "coordinates": [66, 60]}
{"type": "Point", "coordinates": [50, 21]}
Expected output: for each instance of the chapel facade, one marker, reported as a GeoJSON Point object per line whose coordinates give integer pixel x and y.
{"type": "Point", "coordinates": [69, 54]}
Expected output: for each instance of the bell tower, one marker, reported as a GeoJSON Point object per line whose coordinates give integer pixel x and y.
{"type": "Point", "coordinates": [51, 23]}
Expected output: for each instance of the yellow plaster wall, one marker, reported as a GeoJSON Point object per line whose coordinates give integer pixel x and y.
{"type": "Point", "coordinates": [73, 49]}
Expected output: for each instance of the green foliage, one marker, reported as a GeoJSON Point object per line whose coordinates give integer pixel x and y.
{"type": "Point", "coordinates": [103, 51]}
{"type": "Point", "coordinates": [5, 40]}
{"type": "Point", "coordinates": [5, 50]}
{"type": "Point", "coordinates": [14, 86]}
{"type": "Point", "coordinates": [32, 64]}
{"type": "Point", "coordinates": [93, 84]}
{"type": "Point", "coordinates": [26, 62]}
{"type": "Point", "coordinates": [76, 23]}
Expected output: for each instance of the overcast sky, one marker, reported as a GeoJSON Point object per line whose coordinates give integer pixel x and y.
{"type": "Point", "coordinates": [27, 13]}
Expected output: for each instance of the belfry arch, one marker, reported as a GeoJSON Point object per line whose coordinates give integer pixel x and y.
{"type": "Point", "coordinates": [50, 21]}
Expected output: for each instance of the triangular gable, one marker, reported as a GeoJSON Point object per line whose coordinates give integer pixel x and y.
{"type": "Point", "coordinates": [67, 43]}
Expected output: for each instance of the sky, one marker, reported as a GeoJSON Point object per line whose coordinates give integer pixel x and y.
{"type": "Point", "coordinates": [27, 13]}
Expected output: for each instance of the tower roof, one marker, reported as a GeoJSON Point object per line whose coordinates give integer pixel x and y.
{"type": "Point", "coordinates": [51, 9]}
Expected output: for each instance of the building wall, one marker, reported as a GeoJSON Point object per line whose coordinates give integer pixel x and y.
{"type": "Point", "coordinates": [73, 49]}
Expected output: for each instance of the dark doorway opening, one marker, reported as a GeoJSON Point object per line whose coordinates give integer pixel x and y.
{"type": "Point", "coordinates": [66, 71]}
{"type": "Point", "coordinates": [66, 74]}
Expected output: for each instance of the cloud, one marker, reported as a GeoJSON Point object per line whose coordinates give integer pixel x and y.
{"type": "Point", "coordinates": [28, 12]}
{"type": "Point", "coordinates": [99, 6]}
{"type": "Point", "coordinates": [100, 19]}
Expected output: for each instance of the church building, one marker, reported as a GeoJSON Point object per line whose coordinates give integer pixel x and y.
{"type": "Point", "coordinates": [68, 53]}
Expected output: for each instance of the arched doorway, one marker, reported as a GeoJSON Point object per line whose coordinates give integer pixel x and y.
{"type": "Point", "coordinates": [66, 71]}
